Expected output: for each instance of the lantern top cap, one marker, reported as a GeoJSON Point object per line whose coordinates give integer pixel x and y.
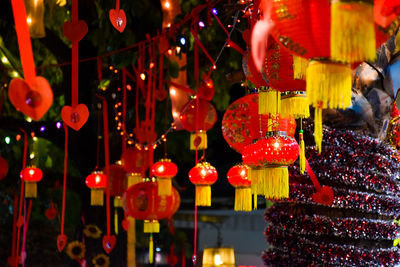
{"type": "Point", "coordinates": [137, 174]}
{"type": "Point", "coordinates": [165, 160]}
{"type": "Point", "coordinates": [276, 133]}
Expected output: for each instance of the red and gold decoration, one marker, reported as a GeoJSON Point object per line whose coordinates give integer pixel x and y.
{"type": "Point", "coordinates": [238, 177]}
{"type": "Point", "coordinates": [203, 175]}
{"type": "Point", "coordinates": [134, 160]}
{"type": "Point", "coordinates": [164, 170]}
{"type": "Point", "coordinates": [268, 159]}
{"type": "Point", "coordinates": [97, 182]}
{"type": "Point", "coordinates": [31, 176]}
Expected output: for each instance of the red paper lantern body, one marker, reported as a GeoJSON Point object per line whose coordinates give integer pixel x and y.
{"type": "Point", "coordinates": [198, 115]}
{"type": "Point", "coordinates": [135, 160]}
{"type": "Point", "coordinates": [250, 70]}
{"type": "Point", "coordinates": [117, 180]}
{"type": "Point", "coordinates": [31, 176]}
{"type": "Point", "coordinates": [164, 170]}
{"type": "Point", "coordinates": [203, 175]}
{"type": "Point", "coordinates": [97, 182]}
{"type": "Point", "coordinates": [238, 177]}
{"type": "Point", "coordinates": [3, 168]}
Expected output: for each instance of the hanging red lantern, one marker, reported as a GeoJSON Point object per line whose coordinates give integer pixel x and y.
{"type": "Point", "coordinates": [250, 71]}
{"type": "Point", "coordinates": [135, 160]}
{"type": "Point", "coordinates": [3, 168]}
{"type": "Point", "coordinates": [31, 176]}
{"type": "Point", "coordinates": [164, 170]}
{"type": "Point", "coordinates": [268, 159]}
{"type": "Point", "coordinates": [238, 177]}
{"type": "Point", "coordinates": [197, 117]}
{"type": "Point", "coordinates": [97, 182]}
{"type": "Point", "coordinates": [118, 183]}
{"type": "Point", "coordinates": [142, 202]}
{"type": "Point", "coordinates": [241, 123]}
{"type": "Point", "coordinates": [203, 175]}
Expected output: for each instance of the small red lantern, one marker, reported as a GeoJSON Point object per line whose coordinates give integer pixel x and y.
{"type": "Point", "coordinates": [118, 183]}
{"type": "Point", "coordinates": [31, 176]}
{"type": "Point", "coordinates": [142, 202]}
{"type": "Point", "coordinates": [238, 177]}
{"type": "Point", "coordinates": [3, 168]}
{"type": "Point", "coordinates": [97, 182]}
{"type": "Point", "coordinates": [268, 159]}
{"type": "Point", "coordinates": [203, 175]}
{"type": "Point", "coordinates": [135, 160]}
{"type": "Point", "coordinates": [164, 170]}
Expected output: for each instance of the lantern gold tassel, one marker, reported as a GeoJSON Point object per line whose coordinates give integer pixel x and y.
{"type": "Point", "coordinates": [164, 186]}
{"type": "Point", "coordinates": [117, 202]}
{"type": "Point", "coordinates": [302, 157]}
{"type": "Point", "coordinates": [30, 189]}
{"type": "Point", "coordinates": [276, 184]}
{"type": "Point", "coordinates": [295, 103]}
{"type": "Point", "coordinates": [318, 129]}
{"type": "Point", "coordinates": [151, 250]}
{"type": "Point", "coordinates": [255, 201]}
{"type": "Point", "coordinates": [257, 177]}
{"type": "Point", "coordinates": [96, 197]}
{"type": "Point", "coordinates": [152, 226]}
{"type": "Point", "coordinates": [203, 195]}
{"type": "Point", "coordinates": [134, 178]}
{"type": "Point", "coordinates": [268, 101]}
{"type": "Point", "coordinates": [328, 83]}
{"type": "Point", "coordinates": [299, 67]}
{"type": "Point", "coordinates": [243, 199]}
{"type": "Point", "coordinates": [116, 222]}
{"type": "Point", "coordinates": [352, 31]}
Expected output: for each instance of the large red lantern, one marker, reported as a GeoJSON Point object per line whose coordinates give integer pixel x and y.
{"type": "Point", "coordinates": [142, 202]}
{"type": "Point", "coordinates": [238, 177]}
{"type": "Point", "coordinates": [164, 170]}
{"type": "Point", "coordinates": [268, 159]}
{"type": "Point", "coordinates": [3, 168]}
{"type": "Point", "coordinates": [197, 117]}
{"type": "Point", "coordinates": [135, 160]}
{"type": "Point", "coordinates": [97, 182]}
{"type": "Point", "coordinates": [203, 175]}
{"type": "Point", "coordinates": [31, 176]}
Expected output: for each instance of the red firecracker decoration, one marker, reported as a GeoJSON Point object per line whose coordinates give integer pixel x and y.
{"type": "Point", "coordinates": [238, 177]}
{"type": "Point", "coordinates": [31, 176]}
{"type": "Point", "coordinates": [268, 159]}
{"type": "Point", "coordinates": [3, 168]}
{"type": "Point", "coordinates": [97, 182]}
{"type": "Point", "coordinates": [164, 170]}
{"type": "Point", "coordinates": [203, 175]}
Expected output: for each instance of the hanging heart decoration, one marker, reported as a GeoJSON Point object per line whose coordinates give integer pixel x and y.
{"type": "Point", "coordinates": [75, 117]}
{"type": "Point", "coordinates": [109, 242]}
{"type": "Point", "coordinates": [61, 242]}
{"type": "Point", "coordinates": [118, 18]}
{"type": "Point", "coordinates": [125, 224]}
{"type": "Point", "coordinates": [75, 30]}
{"type": "Point", "coordinates": [324, 196]}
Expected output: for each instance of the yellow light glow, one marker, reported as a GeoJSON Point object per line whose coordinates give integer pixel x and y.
{"type": "Point", "coordinates": [28, 119]}
{"type": "Point", "coordinates": [14, 74]}
{"type": "Point", "coordinates": [172, 91]}
{"type": "Point", "coordinates": [175, 114]}
{"type": "Point", "coordinates": [143, 76]}
{"type": "Point", "coordinates": [31, 172]}
{"type": "Point", "coordinates": [29, 20]}
{"type": "Point", "coordinates": [4, 60]}
{"type": "Point", "coordinates": [167, 5]}
{"type": "Point", "coordinates": [31, 156]}
{"type": "Point", "coordinates": [276, 144]}
{"type": "Point", "coordinates": [217, 260]}
{"type": "Point", "coordinates": [34, 138]}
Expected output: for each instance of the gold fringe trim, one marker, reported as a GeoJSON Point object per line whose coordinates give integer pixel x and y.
{"type": "Point", "coordinates": [302, 157]}
{"type": "Point", "coordinates": [328, 84]}
{"type": "Point", "coordinates": [318, 129]}
{"type": "Point", "coordinates": [299, 67]}
{"type": "Point", "coordinates": [255, 201]}
{"type": "Point", "coordinates": [295, 103]}
{"type": "Point", "coordinates": [30, 189]}
{"type": "Point", "coordinates": [164, 186]}
{"type": "Point", "coordinates": [257, 176]}
{"type": "Point", "coordinates": [269, 101]}
{"type": "Point", "coordinates": [117, 202]}
{"type": "Point", "coordinates": [96, 197]}
{"type": "Point", "coordinates": [276, 184]}
{"type": "Point", "coordinates": [151, 226]}
{"type": "Point", "coordinates": [203, 195]}
{"type": "Point", "coordinates": [116, 222]}
{"type": "Point", "coordinates": [151, 250]}
{"type": "Point", "coordinates": [134, 178]}
{"type": "Point", "coordinates": [203, 143]}
{"type": "Point", "coordinates": [352, 32]}
{"type": "Point", "coordinates": [243, 199]}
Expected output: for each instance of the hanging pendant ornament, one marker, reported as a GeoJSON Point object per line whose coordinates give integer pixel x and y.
{"type": "Point", "coordinates": [324, 194]}
{"type": "Point", "coordinates": [32, 96]}
{"type": "Point", "coordinates": [118, 18]}
{"type": "Point", "coordinates": [76, 115]}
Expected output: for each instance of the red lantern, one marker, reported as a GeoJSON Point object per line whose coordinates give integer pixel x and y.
{"type": "Point", "coordinates": [238, 177]}
{"type": "Point", "coordinates": [118, 183]}
{"type": "Point", "coordinates": [97, 182]}
{"type": "Point", "coordinates": [203, 175]}
{"type": "Point", "coordinates": [268, 159]}
{"type": "Point", "coordinates": [3, 168]}
{"type": "Point", "coordinates": [142, 202]}
{"type": "Point", "coordinates": [135, 160]}
{"type": "Point", "coordinates": [31, 176]}
{"type": "Point", "coordinates": [197, 117]}
{"type": "Point", "coordinates": [241, 123]}
{"type": "Point", "coordinates": [250, 71]}
{"type": "Point", "coordinates": [164, 170]}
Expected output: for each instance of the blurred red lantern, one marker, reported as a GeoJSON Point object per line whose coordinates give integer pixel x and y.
{"type": "Point", "coordinates": [238, 177]}
{"type": "Point", "coordinates": [135, 160]}
{"type": "Point", "coordinates": [241, 123]}
{"type": "Point", "coordinates": [164, 170]}
{"type": "Point", "coordinates": [206, 90]}
{"type": "Point", "coordinates": [118, 182]}
{"type": "Point", "coordinates": [97, 182]}
{"type": "Point", "coordinates": [250, 71]}
{"type": "Point", "coordinates": [3, 168]}
{"type": "Point", "coordinates": [142, 202]}
{"type": "Point", "coordinates": [268, 159]}
{"type": "Point", "coordinates": [31, 175]}
{"type": "Point", "coordinates": [203, 175]}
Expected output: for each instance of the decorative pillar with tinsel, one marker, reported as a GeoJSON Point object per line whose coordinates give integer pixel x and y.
{"type": "Point", "coordinates": [203, 175]}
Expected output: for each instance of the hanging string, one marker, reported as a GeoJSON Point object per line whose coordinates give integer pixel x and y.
{"type": "Point", "coordinates": [75, 59]}
{"type": "Point", "coordinates": [313, 176]}
{"type": "Point", "coordinates": [65, 177]}
{"type": "Point", "coordinates": [26, 224]}
{"type": "Point", "coordinates": [14, 226]}
{"type": "Point", "coordinates": [123, 108]}
{"type": "Point", "coordinates": [107, 162]}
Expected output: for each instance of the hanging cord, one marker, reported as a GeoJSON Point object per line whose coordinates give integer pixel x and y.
{"type": "Point", "coordinates": [64, 178]}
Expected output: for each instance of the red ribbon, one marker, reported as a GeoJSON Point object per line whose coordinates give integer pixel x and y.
{"type": "Point", "coordinates": [313, 177]}
{"type": "Point", "coordinates": [65, 177]}
{"type": "Point", "coordinates": [75, 60]}
{"type": "Point", "coordinates": [124, 109]}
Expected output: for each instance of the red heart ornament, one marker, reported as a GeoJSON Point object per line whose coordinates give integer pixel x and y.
{"type": "Point", "coordinates": [75, 117]}
{"type": "Point", "coordinates": [324, 196]}
{"type": "Point", "coordinates": [125, 224]}
{"type": "Point", "coordinates": [61, 242]}
{"type": "Point", "coordinates": [31, 99]}
{"type": "Point", "coordinates": [75, 31]}
{"type": "Point", "coordinates": [161, 94]}
{"type": "Point", "coordinates": [51, 213]}
{"type": "Point", "coordinates": [118, 19]}
{"type": "Point", "coordinates": [109, 243]}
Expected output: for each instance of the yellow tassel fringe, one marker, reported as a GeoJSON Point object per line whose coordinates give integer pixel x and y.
{"type": "Point", "coordinates": [134, 178]}
{"type": "Point", "coordinates": [318, 129]}
{"type": "Point", "coordinates": [164, 186]}
{"type": "Point", "coordinates": [202, 144]}
{"type": "Point", "coordinates": [117, 202]}
{"type": "Point", "coordinates": [299, 67]}
{"type": "Point", "coordinates": [96, 197]}
{"type": "Point", "coordinates": [302, 157]}
{"type": "Point", "coordinates": [243, 199]}
{"type": "Point", "coordinates": [151, 250]}
{"type": "Point", "coordinates": [276, 184]}
{"type": "Point", "coordinates": [295, 103]}
{"type": "Point", "coordinates": [30, 189]}
{"type": "Point", "coordinates": [151, 226]}
{"type": "Point", "coordinates": [255, 201]}
{"type": "Point", "coordinates": [269, 101]}
{"type": "Point", "coordinates": [352, 32]}
{"type": "Point", "coordinates": [256, 176]}
{"type": "Point", "coordinates": [328, 83]}
{"type": "Point", "coordinates": [203, 195]}
{"type": "Point", "coordinates": [116, 222]}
